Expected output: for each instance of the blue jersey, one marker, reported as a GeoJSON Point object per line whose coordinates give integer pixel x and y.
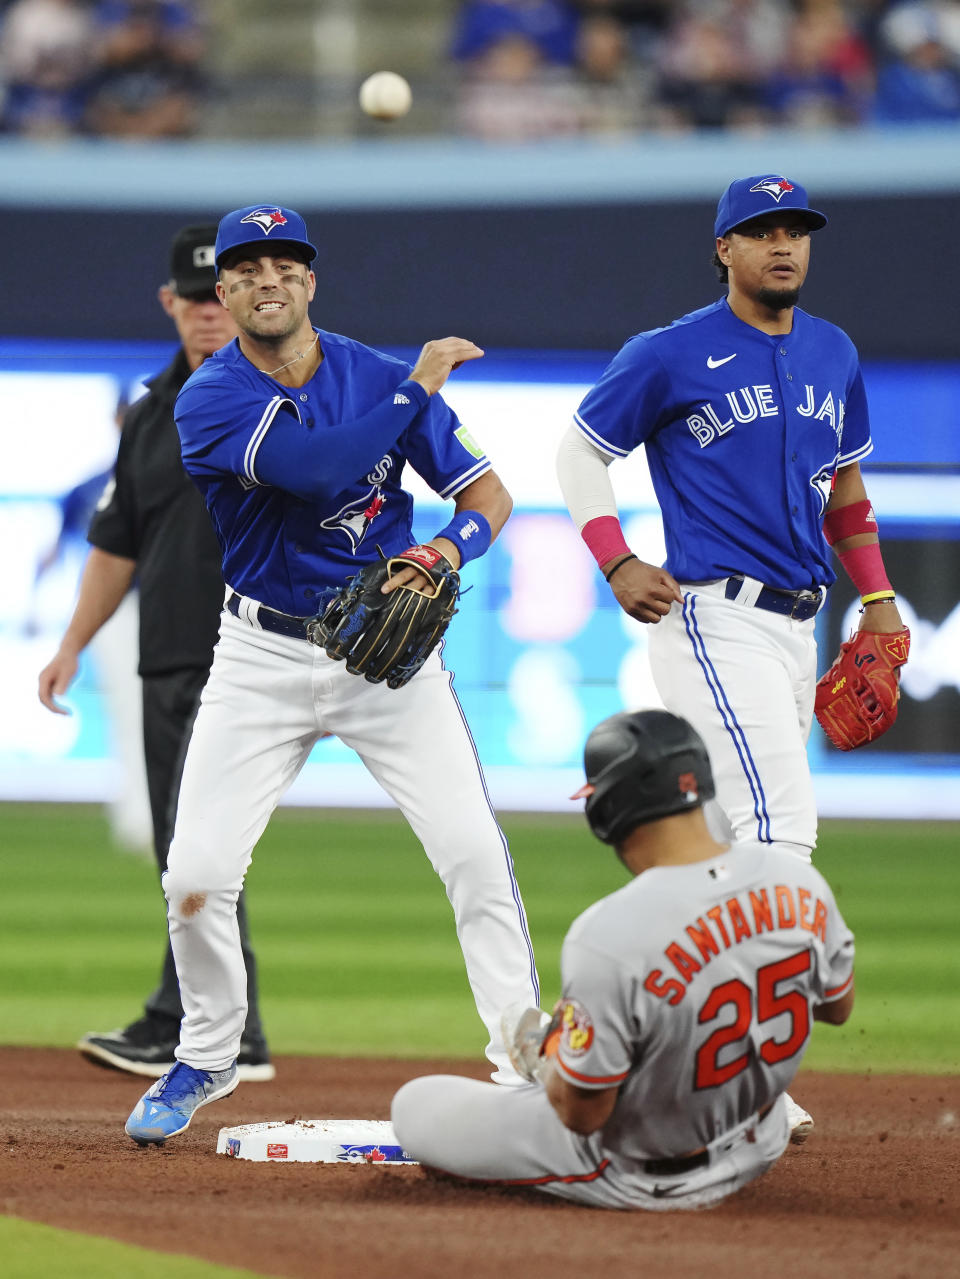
{"type": "Point", "coordinates": [278, 548]}
{"type": "Point", "coordinates": [744, 432]}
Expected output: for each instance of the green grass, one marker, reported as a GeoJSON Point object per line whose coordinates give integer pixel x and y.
{"type": "Point", "coordinates": [357, 949]}
{"type": "Point", "coordinates": [30, 1250]}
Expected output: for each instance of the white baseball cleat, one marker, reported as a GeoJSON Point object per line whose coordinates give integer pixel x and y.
{"type": "Point", "coordinates": [801, 1122]}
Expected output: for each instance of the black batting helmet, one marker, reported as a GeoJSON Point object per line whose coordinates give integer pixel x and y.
{"type": "Point", "coordinates": [640, 766]}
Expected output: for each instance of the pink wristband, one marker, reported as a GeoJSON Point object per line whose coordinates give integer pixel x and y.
{"type": "Point", "coordinates": [848, 521]}
{"type": "Point", "coordinates": [604, 538]}
{"type": "Point", "coordinates": [864, 567]}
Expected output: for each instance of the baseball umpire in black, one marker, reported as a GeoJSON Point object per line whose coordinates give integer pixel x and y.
{"type": "Point", "coordinates": [151, 524]}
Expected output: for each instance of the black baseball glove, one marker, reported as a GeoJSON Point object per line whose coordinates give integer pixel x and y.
{"type": "Point", "coordinates": [389, 637]}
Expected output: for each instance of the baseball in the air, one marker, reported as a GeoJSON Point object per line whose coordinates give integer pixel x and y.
{"type": "Point", "coordinates": [385, 95]}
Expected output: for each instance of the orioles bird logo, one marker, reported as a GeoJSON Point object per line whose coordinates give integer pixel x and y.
{"type": "Point", "coordinates": [776, 188]}
{"type": "Point", "coordinates": [266, 219]}
{"type": "Point", "coordinates": [687, 786]}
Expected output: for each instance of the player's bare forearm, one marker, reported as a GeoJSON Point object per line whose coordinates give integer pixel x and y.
{"type": "Point", "coordinates": [643, 590]}
{"type": "Point", "coordinates": [582, 1110]}
{"type": "Point", "coordinates": [488, 496]}
{"type": "Point", "coordinates": [836, 1012]}
{"type": "Point", "coordinates": [105, 581]}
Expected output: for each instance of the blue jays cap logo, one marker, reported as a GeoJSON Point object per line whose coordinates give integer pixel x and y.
{"type": "Point", "coordinates": [744, 200]}
{"type": "Point", "coordinates": [266, 219]}
{"type": "Point", "coordinates": [776, 187]}
{"type": "Point", "coordinates": [251, 226]}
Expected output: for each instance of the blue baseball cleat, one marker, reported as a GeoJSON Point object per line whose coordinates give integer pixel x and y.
{"type": "Point", "coordinates": [167, 1107]}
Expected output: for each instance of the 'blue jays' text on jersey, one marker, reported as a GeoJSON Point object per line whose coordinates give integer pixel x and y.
{"type": "Point", "coordinates": [278, 548]}
{"type": "Point", "coordinates": [743, 432]}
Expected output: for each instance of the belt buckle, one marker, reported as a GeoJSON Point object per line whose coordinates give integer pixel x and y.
{"type": "Point", "coordinates": [807, 597]}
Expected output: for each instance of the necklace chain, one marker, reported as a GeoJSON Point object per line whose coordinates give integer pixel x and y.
{"type": "Point", "coordinates": [299, 356]}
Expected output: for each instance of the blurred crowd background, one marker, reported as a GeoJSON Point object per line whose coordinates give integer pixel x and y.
{"type": "Point", "coordinates": [495, 70]}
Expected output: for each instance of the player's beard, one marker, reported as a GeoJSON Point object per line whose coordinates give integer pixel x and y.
{"type": "Point", "coordinates": [274, 337]}
{"type": "Point", "coordinates": [779, 299]}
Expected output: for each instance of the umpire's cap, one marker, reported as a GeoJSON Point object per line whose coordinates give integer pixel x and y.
{"type": "Point", "coordinates": [640, 766]}
{"type": "Point", "coordinates": [192, 272]}
{"type": "Point", "coordinates": [750, 198]}
{"type": "Point", "coordinates": [263, 225]}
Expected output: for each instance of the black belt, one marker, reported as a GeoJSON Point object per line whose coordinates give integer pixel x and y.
{"type": "Point", "coordinates": [686, 1163]}
{"type": "Point", "coordinates": [270, 620]}
{"type": "Point", "coordinates": [673, 1167]}
{"type": "Point", "coordinates": [800, 605]}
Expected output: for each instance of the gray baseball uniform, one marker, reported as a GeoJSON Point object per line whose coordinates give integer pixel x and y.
{"type": "Point", "coordinates": [692, 989]}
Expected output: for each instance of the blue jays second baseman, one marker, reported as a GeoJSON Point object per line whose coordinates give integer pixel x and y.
{"type": "Point", "coordinates": [297, 439]}
{"type": "Point", "coordinates": [754, 420]}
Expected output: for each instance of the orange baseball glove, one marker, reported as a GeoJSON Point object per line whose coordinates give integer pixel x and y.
{"type": "Point", "coordinates": [857, 699]}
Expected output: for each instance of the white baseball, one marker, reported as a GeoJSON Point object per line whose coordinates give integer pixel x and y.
{"type": "Point", "coordinates": [385, 95]}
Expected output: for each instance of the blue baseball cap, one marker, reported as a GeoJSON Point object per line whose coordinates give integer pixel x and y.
{"type": "Point", "coordinates": [750, 198]}
{"type": "Point", "coordinates": [260, 225]}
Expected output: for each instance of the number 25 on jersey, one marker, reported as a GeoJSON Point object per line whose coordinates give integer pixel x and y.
{"type": "Point", "coordinates": [770, 1004]}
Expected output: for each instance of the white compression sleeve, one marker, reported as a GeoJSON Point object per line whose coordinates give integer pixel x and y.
{"type": "Point", "coordinates": [582, 470]}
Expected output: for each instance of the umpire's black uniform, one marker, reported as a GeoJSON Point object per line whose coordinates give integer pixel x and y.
{"type": "Point", "coordinates": [153, 514]}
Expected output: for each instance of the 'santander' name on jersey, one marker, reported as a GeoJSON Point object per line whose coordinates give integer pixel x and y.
{"type": "Point", "coordinates": [730, 924]}
{"type": "Point", "coordinates": [748, 403]}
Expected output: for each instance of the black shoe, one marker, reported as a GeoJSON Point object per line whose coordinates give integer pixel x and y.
{"type": "Point", "coordinates": [146, 1048]}
{"type": "Point", "coordinates": [253, 1063]}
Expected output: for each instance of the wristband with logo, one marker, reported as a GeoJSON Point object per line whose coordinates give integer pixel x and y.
{"type": "Point", "coordinates": [848, 521]}
{"type": "Point", "coordinates": [470, 533]}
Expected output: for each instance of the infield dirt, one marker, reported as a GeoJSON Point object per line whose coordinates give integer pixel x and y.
{"type": "Point", "coordinates": [875, 1192]}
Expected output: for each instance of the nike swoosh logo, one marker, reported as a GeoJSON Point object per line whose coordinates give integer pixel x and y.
{"type": "Point", "coordinates": [666, 1192]}
{"type": "Point", "coordinates": [715, 364]}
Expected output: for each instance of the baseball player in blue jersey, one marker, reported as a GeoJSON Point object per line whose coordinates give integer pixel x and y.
{"type": "Point", "coordinates": [297, 439]}
{"type": "Point", "coordinates": [754, 420]}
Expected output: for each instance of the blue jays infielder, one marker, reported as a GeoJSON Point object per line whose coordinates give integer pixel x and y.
{"type": "Point", "coordinates": [754, 419]}
{"type": "Point", "coordinates": [297, 439]}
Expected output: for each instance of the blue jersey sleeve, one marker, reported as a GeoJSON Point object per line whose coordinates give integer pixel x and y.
{"type": "Point", "coordinates": [222, 423]}
{"type": "Point", "coordinates": [855, 441]}
{"type": "Point", "coordinates": [318, 466]}
{"type": "Point", "coordinates": [442, 451]}
{"type": "Point", "coordinates": [624, 408]}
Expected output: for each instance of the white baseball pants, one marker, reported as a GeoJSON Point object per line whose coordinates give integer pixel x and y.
{"type": "Point", "coordinates": [268, 700]}
{"type": "Point", "coordinates": [512, 1136]}
{"type": "Point", "coordinates": [745, 679]}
